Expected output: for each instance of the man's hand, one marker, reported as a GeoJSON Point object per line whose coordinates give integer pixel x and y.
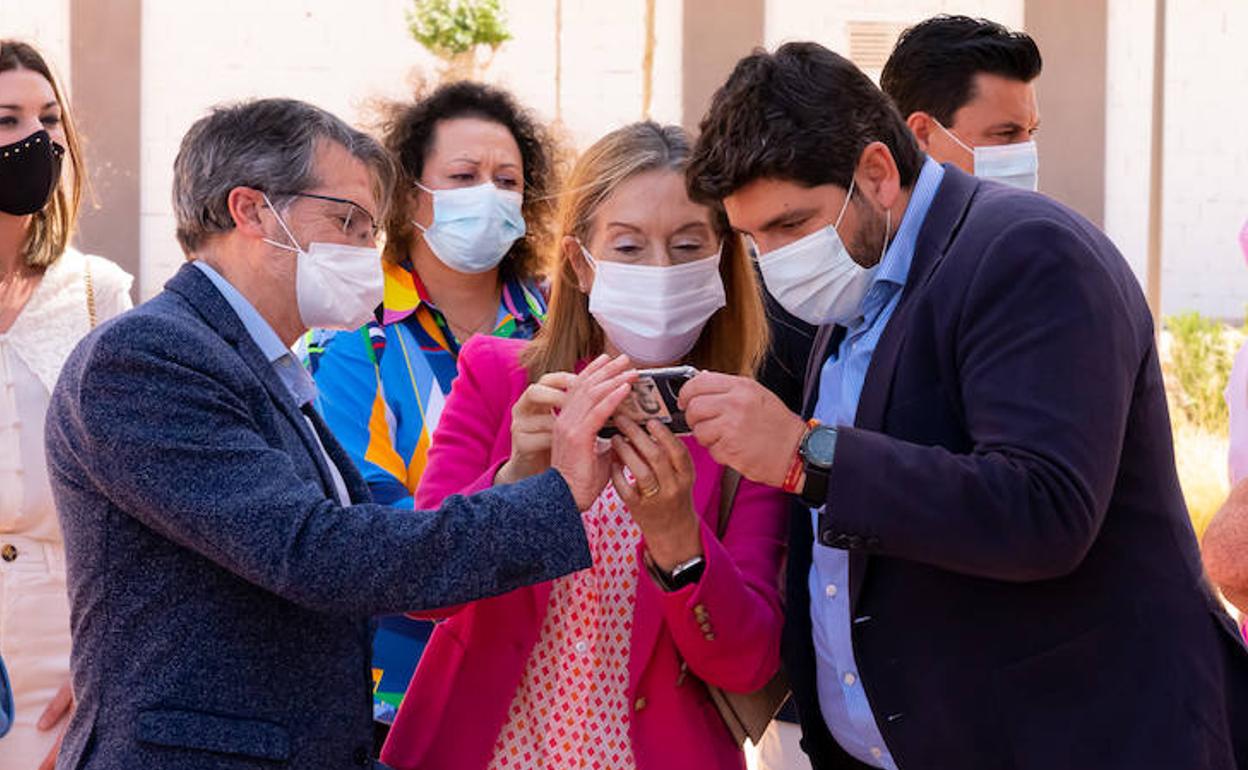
{"type": "Point", "coordinates": [590, 401]}
{"type": "Point", "coordinates": [743, 425]}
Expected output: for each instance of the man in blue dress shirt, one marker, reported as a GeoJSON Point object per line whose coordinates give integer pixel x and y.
{"type": "Point", "coordinates": [990, 563]}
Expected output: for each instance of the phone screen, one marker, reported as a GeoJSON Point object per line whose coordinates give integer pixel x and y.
{"type": "Point", "coordinates": [654, 397]}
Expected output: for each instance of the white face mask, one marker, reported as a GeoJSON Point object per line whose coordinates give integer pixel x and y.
{"type": "Point", "coordinates": [815, 278]}
{"type": "Point", "coordinates": [473, 228]}
{"type": "Point", "coordinates": [336, 286]}
{"type": "Point", "coordinates": [655, 314]}
{"type": "Point", "coordinates": [1015, 164]}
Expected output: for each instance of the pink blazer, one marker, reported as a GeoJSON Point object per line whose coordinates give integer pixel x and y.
{"type": "Point", "coordinates": [458, 698]}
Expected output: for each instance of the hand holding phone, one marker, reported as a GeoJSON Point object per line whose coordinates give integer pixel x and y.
{"type": "Point", "coordinates": [654, 396]}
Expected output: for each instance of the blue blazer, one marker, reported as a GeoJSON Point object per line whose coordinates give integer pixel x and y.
{"type": "Point", "coordinates": [1025, 587]}
{"type": "Point", "coordinates": [220, 597]}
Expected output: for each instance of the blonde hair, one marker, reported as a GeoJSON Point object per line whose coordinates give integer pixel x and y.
{"type": "Point", "coordinates": [735, 338]}
{"type": "Point", "coordinates": [52, 227]}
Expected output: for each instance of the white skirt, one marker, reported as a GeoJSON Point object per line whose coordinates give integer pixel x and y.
{"type": "Point", "coordinates": [34, 643]}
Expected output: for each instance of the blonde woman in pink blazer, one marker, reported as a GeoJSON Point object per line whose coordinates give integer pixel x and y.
{"type": "Point", "coordinates": [608, 667]}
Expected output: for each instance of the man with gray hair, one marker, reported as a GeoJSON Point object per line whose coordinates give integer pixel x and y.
{"type": "Point", "coordinates": [223, 555]}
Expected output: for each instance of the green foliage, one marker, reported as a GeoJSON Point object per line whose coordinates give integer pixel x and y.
{"type": "Point", "coordinates": [1201, 364]}
{"type": "Point", "coordinates": [450, 27]}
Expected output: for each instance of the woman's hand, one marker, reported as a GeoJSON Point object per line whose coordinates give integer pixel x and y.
{"type": "Point", "coordinates": [661, 497]}
{"type": "Point", "coordinates": [57, 712]}
{"type": "Point", "coordinates": [590, 401]}
{"type": "Point", "coordinates": [533, 426]}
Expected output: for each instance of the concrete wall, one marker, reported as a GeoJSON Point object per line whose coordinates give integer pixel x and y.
{"type": "Point", "coordinates": [107, 75]}
{"type": "Point", "coordinates": [1128, 130]}
{"type": "Point", "coordinates": [1206, 171]}
{"type": "Point", "coordinates": [42, 22]}
{"type": "Point", "coordinates": [1071, 92]}
{"type": "Point", "coordinates": [337, 56]}
{"type": "Point", "coordinates": [826, 21]}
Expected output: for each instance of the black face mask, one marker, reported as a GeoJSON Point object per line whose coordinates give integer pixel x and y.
{"type": "Point", "coordinates": [29, 171]}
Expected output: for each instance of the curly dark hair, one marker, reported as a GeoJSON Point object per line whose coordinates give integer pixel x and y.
{"type": "Point", "coordinates": [408, 133]}
{"type": "Point", "coordinates": [933, 67]}
{"type": "Point", "coordinates": [803, 114]}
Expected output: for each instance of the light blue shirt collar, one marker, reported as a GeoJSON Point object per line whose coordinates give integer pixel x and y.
{"type": "Point", "coordinates": [289, 370]}
{"type": "Point", "coordinates": [895, 266]}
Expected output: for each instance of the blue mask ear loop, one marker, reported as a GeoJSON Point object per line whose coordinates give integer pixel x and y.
{"type": "Point", "coordinates": [959, 142]}
{"type": "Point", "coordinates": [433, 201]}
{"type": "Point", "coordinates": [588, 257]}
{"type": "Point", "coordinates": [285, 229]}
{"type": "Point", "coordinates": [844, 206]}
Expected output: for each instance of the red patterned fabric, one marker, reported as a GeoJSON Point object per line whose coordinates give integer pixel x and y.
{"type": "Point", "coordinates": [571, 708]}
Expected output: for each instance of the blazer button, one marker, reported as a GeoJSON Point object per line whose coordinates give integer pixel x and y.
{"type": "Point", "coordinates": [360, 756]}
{"type": "Point", "coordinates": [640, 704]}
{"type": "Point", "coordinates": [855, 541]}
{"type": "Point", "coordinates": [873, 542]}
{"type": "Point", "coordinates": [8, 552]}
{"type": "Point", "coordinates": [828, 539]}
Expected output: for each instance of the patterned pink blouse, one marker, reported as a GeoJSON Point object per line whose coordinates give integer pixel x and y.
{"type": "Point", "coordinates": [571, 709]}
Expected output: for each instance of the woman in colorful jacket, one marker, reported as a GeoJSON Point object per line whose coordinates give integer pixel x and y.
{"type": "Point", "coordinates": [464, 236]}
{"type": "Point", "coordinates": [609, 667]}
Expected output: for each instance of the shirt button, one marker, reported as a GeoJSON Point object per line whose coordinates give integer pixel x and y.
{"type": "Point", "coordinates": [850, 679]}
{"type": "Point", "coordinates": [876, 752]}
{"type": "Point", "coordinates": [830, 591]}
{"type": "Point", "coordinates": [582, 646]}
{"type": "Point", "coordinates": [640, 704]}
{"type": "Point", "coordinates": [8, 552]}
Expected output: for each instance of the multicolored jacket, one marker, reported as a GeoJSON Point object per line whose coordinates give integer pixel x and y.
{"type": "Point", "coordinates": [381, 389]}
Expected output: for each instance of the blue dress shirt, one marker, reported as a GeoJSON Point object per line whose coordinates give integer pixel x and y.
{"type": "Point", "coordinates": [841, 697]}
{"type": "Point", "coordinates": [288, 368]}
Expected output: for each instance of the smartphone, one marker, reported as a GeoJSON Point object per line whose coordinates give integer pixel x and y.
{"type": "Point", "coordinates": [654, 398]}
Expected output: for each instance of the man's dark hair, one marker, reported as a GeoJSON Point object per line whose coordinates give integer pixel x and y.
{"type": "Point", "coordinates": [803, 114]}
{"type": "Point", "coordinates": [933, 67]}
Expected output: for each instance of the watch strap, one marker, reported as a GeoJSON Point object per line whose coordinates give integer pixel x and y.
{"type": "Point", "coordinates": [815, 492]}
{"type": "Point", "coordinates": [684, 574]}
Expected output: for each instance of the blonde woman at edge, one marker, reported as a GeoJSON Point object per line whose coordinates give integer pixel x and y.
{"type": "Point", "coordinates": [50, 297]}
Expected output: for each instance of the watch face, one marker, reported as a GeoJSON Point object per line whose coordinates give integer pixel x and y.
{"type": "Point", "coordinates": [820, 446]}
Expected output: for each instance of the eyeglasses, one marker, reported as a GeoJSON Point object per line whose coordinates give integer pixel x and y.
{"type": "Point", "coordinates": [353, 218]}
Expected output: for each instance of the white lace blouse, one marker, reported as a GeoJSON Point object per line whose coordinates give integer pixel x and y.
{"type": "Point", "coordinates": [32, 353]}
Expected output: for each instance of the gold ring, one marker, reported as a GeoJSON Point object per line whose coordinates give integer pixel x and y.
{"type": "Point", "coordinates": [650, 491]}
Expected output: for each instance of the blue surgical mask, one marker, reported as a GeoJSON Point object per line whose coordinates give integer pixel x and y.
{"type": "Point", "coordinates": [1015, 164]}
{"type": "Point", "coordinates": [473, 228]}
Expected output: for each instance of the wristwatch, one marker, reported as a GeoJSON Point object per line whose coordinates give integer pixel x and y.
{"type": "Point", "coordinates": [817, 450]}
{"type": "Point", "coordinates": [684, 574]}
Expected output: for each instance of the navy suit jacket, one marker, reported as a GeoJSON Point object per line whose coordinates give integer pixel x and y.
{"type": "Point", "coordinates": [1026, 589]}
{"type": "Point", "coordinates": [220, 595]}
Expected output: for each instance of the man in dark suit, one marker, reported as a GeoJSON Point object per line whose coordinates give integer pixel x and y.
{"type": "Point", "coordinates": [223, 555]}
{"type": "Point", "coordinates": [991, 562]}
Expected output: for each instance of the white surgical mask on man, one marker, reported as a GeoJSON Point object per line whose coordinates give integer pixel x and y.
{"type": "Point", "coordinates": [655, 314]}
{"type": "Point", "coordinates": [1015, 164]}
{"type": "Point", "coordinates": [473, 228]}
{"type": "Point", "coordinates": [815, 278]}
{"type": "Point", "coordinates": [336, 286]}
